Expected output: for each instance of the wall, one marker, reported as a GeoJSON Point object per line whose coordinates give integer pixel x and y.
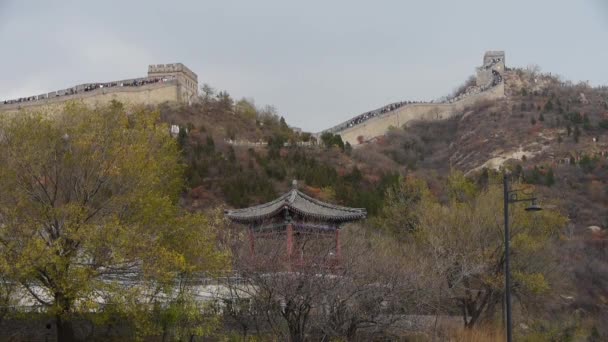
{"type": "Point", "coordinates": [378, 126]}
{"type": "Point", "coordinates": [151, 94]}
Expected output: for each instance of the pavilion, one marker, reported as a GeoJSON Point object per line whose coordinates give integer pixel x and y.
{"type": "Point", "coordinates": [293, 216]}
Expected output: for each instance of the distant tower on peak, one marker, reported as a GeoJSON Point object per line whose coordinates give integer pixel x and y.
{"type": "Point", "coordinates": [492, 70]}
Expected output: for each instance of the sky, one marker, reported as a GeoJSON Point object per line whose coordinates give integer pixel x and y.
{"type": "Point", "coordinates": [318, 62]}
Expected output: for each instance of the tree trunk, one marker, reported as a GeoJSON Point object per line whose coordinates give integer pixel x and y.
{"type": "Point", "coordinates": [65, 330]}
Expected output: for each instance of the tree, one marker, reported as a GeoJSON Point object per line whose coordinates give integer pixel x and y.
{"type": "Point", "coordinates": [90, 198]}
{"type": "Point", "coordinates": [549, 178]}
{"type": "Point", "coordinates": [330, 139]}
{"type": "Point", "coordinates": [225, 102]}
{"type": "Point", "coordinates": [348, 149]}
{"type": "Point", "coordinates": [398, 216]}
{"type": "Point", "coordinates": [208, 93]}
{"type": "Point", "coordinates": [577, 134]}
{"type": "Point", "coordinates": [467, 240]}
{"type": "Point", "coordinates": [283, 123]}
{"type": "Point", "coordinates": [461, 235]}
{"type": "Point", "coordinates": [586, 123]}
{"type": "Point", "coordinates": [376, 281]}
{"type": "Point", "coordinates": [246, 109]}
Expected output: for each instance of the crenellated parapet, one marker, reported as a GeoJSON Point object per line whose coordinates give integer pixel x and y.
{"type": "Point", "coordinates": [173, 68]}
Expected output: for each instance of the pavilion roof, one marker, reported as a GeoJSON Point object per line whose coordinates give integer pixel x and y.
{"type": "Point", "coordinates": [296, 202]}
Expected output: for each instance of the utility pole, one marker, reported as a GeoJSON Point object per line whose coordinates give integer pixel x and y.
{"type": "Point", "coordinates": [507, 261]}
{"type": "Point", "coordinates": [510, 196]}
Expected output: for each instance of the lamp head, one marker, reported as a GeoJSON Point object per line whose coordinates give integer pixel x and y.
{"type": "Point", "coordinates": [534, 206]}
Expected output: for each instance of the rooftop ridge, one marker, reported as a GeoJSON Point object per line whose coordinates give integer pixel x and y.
{"type": "Point", "coordinates": [300, 203]}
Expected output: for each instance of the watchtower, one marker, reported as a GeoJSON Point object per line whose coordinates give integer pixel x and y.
{"type": "Point", "coordinates": [187, 80]}
{"type": "Point", "coordinates": [492, 70]}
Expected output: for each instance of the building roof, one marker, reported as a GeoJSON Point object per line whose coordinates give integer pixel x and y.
{"type": "Point", "coordinates": [296, 203]}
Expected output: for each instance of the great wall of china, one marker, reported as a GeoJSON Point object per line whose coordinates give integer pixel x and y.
{"type": "Point", "coordinates": [164, 83]}
{"type": "Point", "coordinates": [176, 83]}
{"type": "Point", "coordinates": [369, 125]}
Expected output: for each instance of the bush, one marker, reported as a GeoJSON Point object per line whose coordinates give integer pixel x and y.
{"type": "Point", "coordinates": [330, 140]}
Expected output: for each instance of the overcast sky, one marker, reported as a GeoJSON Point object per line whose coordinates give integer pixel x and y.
{"type": "Point", "coordinates": [318, 62]}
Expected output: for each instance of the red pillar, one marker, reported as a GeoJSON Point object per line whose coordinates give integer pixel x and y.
{"type": "Point", "coordinates": [338, 247]}
{"type": "Point", "coordinates": [251, 242]}
{"type": "Point", "coordinates": [289, 240]}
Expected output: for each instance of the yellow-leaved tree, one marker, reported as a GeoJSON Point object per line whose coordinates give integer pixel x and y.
{"type": "Point", "coordinates": [461, 234]}
{"type": "Point", "coordinates": [89, 214]}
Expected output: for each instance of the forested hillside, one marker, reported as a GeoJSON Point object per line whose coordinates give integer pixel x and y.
{"type": "Point", "coordinates": [547, 133]}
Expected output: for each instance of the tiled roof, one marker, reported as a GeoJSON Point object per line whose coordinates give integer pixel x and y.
{"type": "Point", "coordinates": [296, 202]}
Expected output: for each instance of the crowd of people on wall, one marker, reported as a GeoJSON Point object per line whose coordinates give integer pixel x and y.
{"type": "Point", "coordinates": [496, 80]}
{"type": "Point", "coordinates": [371, 114]}
{"type": "Point", "coordinates": [92, 87]}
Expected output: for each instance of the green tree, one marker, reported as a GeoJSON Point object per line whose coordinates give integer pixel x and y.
{"type": "Point", "coordinates": [549, 178]}
{"type": "Point", "coordinates": [330, 139]}
{"type": "Point", "coordinates": [225, 102]}
{"type": "Point", "coordinates": [586, 123]}
{"type": "Point", "coordinates": [246, 109]}
{"type": "Point", "coordinates": [283, 123]}
{"type": "Point", "coordinates": [398, 216]}
{"type": "Point", "coordinates": [94, 194]}
{"type": "Point", "coordinates": [348, 149]}
{"type": "Point", "coordinates": [207, 93]}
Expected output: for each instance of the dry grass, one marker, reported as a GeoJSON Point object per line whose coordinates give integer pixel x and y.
{"type": "Point", "coordinates": [479, 334]}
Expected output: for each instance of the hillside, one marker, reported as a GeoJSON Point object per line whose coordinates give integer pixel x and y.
{"type": "Point", "coordinates": [542, 129]}
{"type": "Point", "coordinates": [549, 133]}
{"type": "Point", "coordinates": [239, 155]}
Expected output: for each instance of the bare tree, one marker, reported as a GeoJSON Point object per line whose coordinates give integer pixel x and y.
{"type": "Point", "coordinates": [371, 288]}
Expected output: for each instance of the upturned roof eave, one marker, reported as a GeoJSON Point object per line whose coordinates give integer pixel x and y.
{"type": "Point", "coordinates": [345, 214]}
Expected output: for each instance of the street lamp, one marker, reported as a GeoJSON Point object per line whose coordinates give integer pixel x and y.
{"type": "Point", "coordinates": [510, 196]}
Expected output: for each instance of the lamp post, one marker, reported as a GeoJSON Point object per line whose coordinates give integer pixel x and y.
{"type": "Point", "coordinates": [510, 196]}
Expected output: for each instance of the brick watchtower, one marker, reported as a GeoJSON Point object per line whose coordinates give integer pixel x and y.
{"type": "Point", "coordinates": [492, 71]}
{"type": "Point", "coordinates": [187, 80]}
